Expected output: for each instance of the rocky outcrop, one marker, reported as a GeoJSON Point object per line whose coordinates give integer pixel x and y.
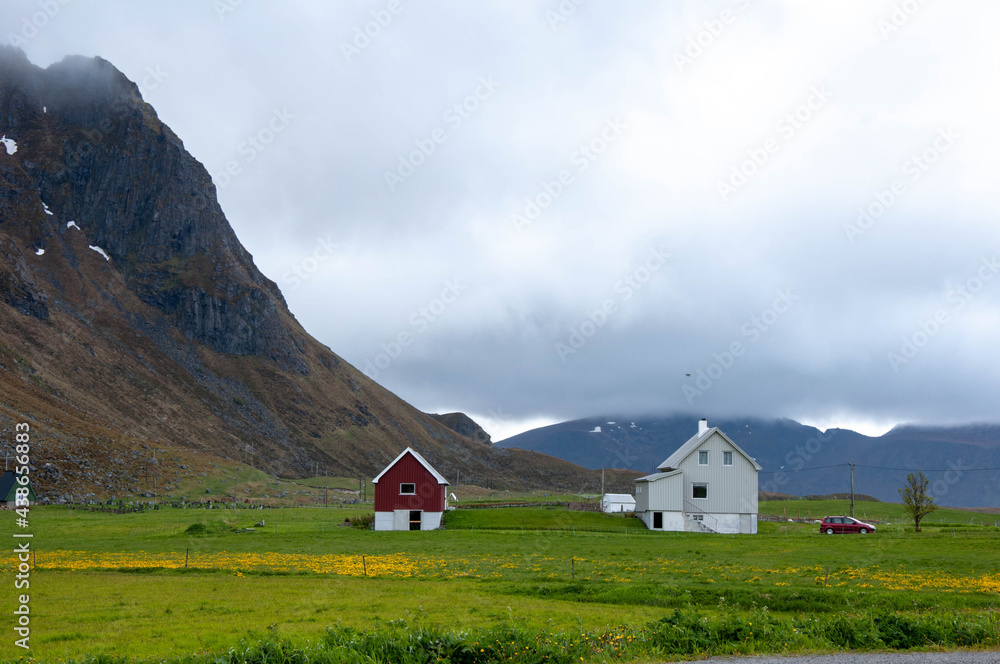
{"type": "Point", "coordinates": [463, 424]}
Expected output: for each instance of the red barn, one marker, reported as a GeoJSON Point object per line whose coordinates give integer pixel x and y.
{"type": "Point", "coordinates": [409, 494]}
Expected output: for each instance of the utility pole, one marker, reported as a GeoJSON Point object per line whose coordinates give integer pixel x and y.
{"type": "Point", "coordinates": [602, 481]}
{"type": "Point", "coordinates": [852, 489]}
{"type": "Point", "coordinates": [326, 487]}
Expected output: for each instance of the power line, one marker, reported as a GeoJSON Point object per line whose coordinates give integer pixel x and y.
{"type": "Point", "coordinates": [802, 470]}
{"type": "Point", "coordinates": [861, 465]}
{"type": "Point", "coordinates": [929, 470]}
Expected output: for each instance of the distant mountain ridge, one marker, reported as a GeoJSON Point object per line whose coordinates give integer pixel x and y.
{"type": "Point", "coordinates": [788, 450]}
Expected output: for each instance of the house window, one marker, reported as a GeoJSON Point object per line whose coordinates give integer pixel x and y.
{"type": "Point", "coordinates": [703, 458]}
{"type": "Point", "coordinates": [407, 489]}
{"type": "Point", "coordinates": [698, 517]}
{"type": "Point", "coordinates": [699, 491]}
{"type": "Point", "coordinates": [638, 490]}
{"type": "Point", "coordinates": [727, 458]}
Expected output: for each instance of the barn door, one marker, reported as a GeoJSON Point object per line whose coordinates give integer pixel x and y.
{"type": "Point", "coordinates": [415, 519]}
{"type": "Point", "coordinates": [658, 520]}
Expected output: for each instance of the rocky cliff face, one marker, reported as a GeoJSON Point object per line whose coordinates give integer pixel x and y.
{"type": "Point", "coordinates": [131, 316]}
{"type": "Point", "coordinates": [100, 156]}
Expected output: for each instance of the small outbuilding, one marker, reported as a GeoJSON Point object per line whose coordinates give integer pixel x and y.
{"type": "Point", "coordinates": [409, 494]}
{"type": "Point", "coordinates": [8, 490]}
{"type": "Point", "coordinates": [617, 503]}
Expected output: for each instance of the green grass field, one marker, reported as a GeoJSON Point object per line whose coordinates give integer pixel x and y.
{"type": "Point", "coordinates": [879, 512]}
{"type": "Point", "coordinates": [107, 584]}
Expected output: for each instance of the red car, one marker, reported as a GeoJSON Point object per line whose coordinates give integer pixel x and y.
{"type": "Point", "coordinates": [844, 524]}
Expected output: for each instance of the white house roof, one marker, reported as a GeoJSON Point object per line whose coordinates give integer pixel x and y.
{"type": "Point", "coordinates": [674, 460]}
{"type": "Point", "coordinates": [423, 462]}
{"type": "Point", "coordinates": [657, 476]}
{"type": "Point", "coordinates": [619, 498]}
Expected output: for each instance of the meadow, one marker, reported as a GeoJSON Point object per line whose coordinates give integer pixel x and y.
{"type": "Point", "coordinates": [545, 583]}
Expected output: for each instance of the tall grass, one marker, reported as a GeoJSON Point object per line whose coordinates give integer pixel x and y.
{"type": "Point", "coordinates": [682, 633]}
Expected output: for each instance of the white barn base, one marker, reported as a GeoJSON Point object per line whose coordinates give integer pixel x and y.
{"type": "Point", "coordinates": [400, 520]}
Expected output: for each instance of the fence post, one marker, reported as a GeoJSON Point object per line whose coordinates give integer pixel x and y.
{"type": "Point", "coordinates": [364, 565]}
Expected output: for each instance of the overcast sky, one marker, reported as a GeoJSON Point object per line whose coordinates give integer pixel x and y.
{"type": "Point", "coordinates": [562, 209]}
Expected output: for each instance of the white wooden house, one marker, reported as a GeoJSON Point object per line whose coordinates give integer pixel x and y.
{"type": "Point", "coordinates": [708, 485]}
{"type": "Point", "coordinates": [617, 503]}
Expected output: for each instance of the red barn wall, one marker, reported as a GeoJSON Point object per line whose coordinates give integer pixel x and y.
{"type": "Point", "coordinates": [429, 497]}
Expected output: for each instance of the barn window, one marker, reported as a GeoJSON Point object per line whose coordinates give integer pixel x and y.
{"type": "Point", "coordinates": [703, 458]}
{"type": "Point", "coordinates": [407, 489]}
{"type": "Point", "coordinates": [638, 490]}
{"type": "Point", "coordinates": [699, 491]}
{"type": "Point", "coordinates": [727, 458]}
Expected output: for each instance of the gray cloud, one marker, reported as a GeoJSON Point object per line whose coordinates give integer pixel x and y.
{"type": "Point", "coordinates": [358, 259]}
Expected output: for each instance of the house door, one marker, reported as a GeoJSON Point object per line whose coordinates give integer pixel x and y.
{"type": "Point", "coordinates": [658, 520]}
{"type": "Point", "coordinates": [415, 519]}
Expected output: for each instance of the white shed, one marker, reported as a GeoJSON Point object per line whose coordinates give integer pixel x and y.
{"type": "Point", "coordinates": [617, 503]}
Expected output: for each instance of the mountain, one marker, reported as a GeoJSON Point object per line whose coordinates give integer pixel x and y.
{"type": "Point", "coordinates": [954, 458]}
{"type": "Point", "coordinates": [134, 325]}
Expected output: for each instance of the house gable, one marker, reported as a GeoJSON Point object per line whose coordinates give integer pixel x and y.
{"type": "Point", "coordinates": [409, 483]}
{"type": "Point", "coordinates": [423, 462]}
{"type": "Point", "coordinates": [675, 460]}
{"type": "Point", "coordinates": [715, 487]}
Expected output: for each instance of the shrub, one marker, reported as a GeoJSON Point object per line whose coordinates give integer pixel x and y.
{"type": "Point", "coordinates": [208, 529]}
{"type": "Point", "coordinates": [363, 521]}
